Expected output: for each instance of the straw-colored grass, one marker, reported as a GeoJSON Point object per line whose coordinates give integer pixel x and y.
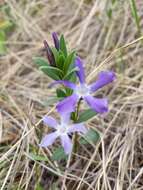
{"type": "Point", "coordinates": [116, 161]}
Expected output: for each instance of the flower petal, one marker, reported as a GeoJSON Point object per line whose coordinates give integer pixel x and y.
{"type": "Point", "coordinates": [65, 117]}
{"type": "Point", "coordinates": [77, 128]}
{"type": "Point", "coordinates": [80, 73]}
{"type": "Point", "coordinates": [68, 104]}
{"type": "Point", "coordinates": [104, 78]}
{"type": "Point", "coordinates": [48, 139]}
{"type": "Point", "coordinates": [100, 105]}
{"type": "Point", "coordinates": [64, 82]}
{"type": "Point", "coordinates": [56, 40]}
{"type": "Point", "coordinates": [66, 143]}
{"type": "Point", "coordinates": [50, 121]}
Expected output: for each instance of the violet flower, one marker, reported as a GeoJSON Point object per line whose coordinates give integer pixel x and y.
{"type": "Point", "coordinates": [62, 130]}
{"type": "Point", "coordinates": [84, 91]}
{"type": "Point", "coordinates": [49, 53]}
{"type": "Point", "coordinates": [56, 40]}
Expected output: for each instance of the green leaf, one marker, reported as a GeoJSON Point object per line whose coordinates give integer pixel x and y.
{"type": "Point", "coordinates": [55, 53]}
{"type": "Point", "coordinates": [40, 61]}
{"type": "Point", "coordinates": [2, 42]}
{"type": "Point", "coordinates": [60, 93]}
{"type": "Point", "coordinates": [68, 91]}
{"type": "Point", "coordinates": [59, 154]}
{"type": "Point", "coordinates": [63, 45]}
{"type": "Point", "coordinates": [60, 61]}
{"type": "Point", "coordinates": [52, 72]}
{"type": "Point", "coordinates": [73, 78]}
{"type": "Point", "coordinates": [91, 136]}
{"type": "Point", "coordinates": [38, 157]}
{"type": "Point", "coordinates": [135, 14]}
{"type": "Point", "coordinates": [69, 60]}
{"type": "Point", "coordinates": [109, 13]}
{"type": "Point", "coordinates": [69, 75]}
{"type": "Point", "coordinates": [86, 115]}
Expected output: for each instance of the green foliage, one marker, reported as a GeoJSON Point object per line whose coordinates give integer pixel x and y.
{"type": "Point", "coordinates": [2, 42]}
{"type": "Point", "coordinates": [135, 14]}
{"type": "Point", "coordinates": [91, 136]}
{"type": "Point", "coordinates": [59, 154]}
{"type": "Point", "coordinates": [63, 47]}
{"type": "Point", "coordinates": [6, 26]}
{"type": "Point", "coordinates": [40, 61]}
{"type": "Point", "coordinates": [64, 63]}
{"type": "Point", "coordinates": [60, 61]}
{"type": "Point", "coordinates": [69, 75]}
{"type": "Point", "coordinates": [55, 53]}
{"type": "Point", "coordinates": [86, 115]}
{"type": "Point", "coordinates": [109, 13]}
{"type": "Point", "coordinates": [69, 61]}
{"type": "Point", "coordinates": [52, 72]}
{"type": "Point", "coordinates": [61, 93]}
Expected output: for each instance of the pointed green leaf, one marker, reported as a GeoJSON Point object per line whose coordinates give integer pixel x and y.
{"type": "Point", "coordinates": [73, 78]}
{"type": "Point", "coordinates": [59, 154]}
{"type": "Point", "coordinates": [86, 115]}
{"type": "Point", "coordinates": [63, 45]}
{"type": "Point", "coordinates": [68, 91]}
{"type": "Point", "coordinates": [69, 75]}
{"type": "Point", "coordinates": [52, 72]}
{"type": "Point", "coordinates": [69, 61]}
{"type": "Point", "coordinates": [40, 61]}
{"type": "Point", "coordinates": [55, 53]}
{"type": "Point", "coordinates": [60, 61]}
{"type": "Point", "coordinates": [135, 13]}
{"type": "Point", "coordinates": [91, 136]}
{"type": "Point", "coordinates": [60, 93]}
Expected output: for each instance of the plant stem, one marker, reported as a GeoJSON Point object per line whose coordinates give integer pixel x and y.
{"type": "Point", "coordinates": [75, 140]}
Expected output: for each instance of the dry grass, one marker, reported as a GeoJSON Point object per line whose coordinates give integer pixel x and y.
{"type": "Point", "coordinates": [116, 161]}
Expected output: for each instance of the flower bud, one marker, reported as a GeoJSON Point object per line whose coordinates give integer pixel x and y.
{"type": "Point", "coordinates": [50, 55]}
{"type": "Point", "coordinates": [56, 40]}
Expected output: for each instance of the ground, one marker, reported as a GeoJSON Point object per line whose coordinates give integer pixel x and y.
{"type": "Point", "coordinates": [108, 36]}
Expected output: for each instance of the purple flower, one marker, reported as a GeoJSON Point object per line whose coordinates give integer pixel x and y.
{"type": "Point", "coordinates": [62, 130]}
{"type": "Point", "coordinates": [56, 40]}
{"type": "Point", "coordinates": [84, 91]}
{"type": "Point", "coordinates": [49, 52]}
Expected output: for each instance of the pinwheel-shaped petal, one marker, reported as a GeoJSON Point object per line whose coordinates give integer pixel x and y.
{"type": "Point", "coordinates": [84, 91]}
{"type": "Point", "coordinates": [62, 130]}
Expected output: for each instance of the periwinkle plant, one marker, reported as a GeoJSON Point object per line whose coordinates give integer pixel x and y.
{"type": "Point", "coordinates": [65, 67]}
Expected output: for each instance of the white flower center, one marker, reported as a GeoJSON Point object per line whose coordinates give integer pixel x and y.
{"type": "Point", "coordinates": [62, 129]}
{"type": "Point", "coordinates": [82, 90]}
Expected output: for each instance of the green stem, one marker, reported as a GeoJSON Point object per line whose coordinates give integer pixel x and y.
{"type": "Point", "coordinates": [77, 111]}
{"type": "Point", "coordinates": [75, 141]}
